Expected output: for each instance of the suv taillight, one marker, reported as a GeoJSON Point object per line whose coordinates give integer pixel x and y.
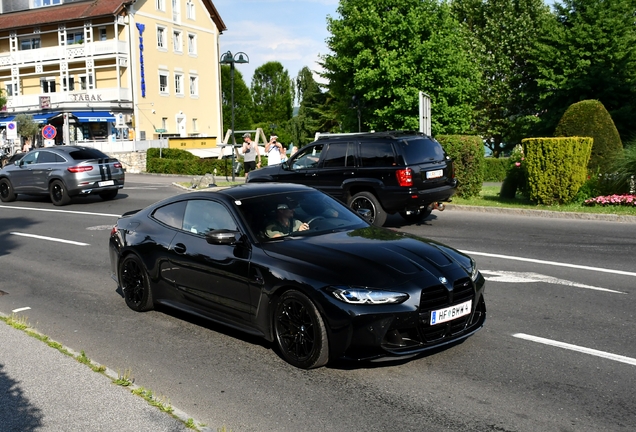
{"type": "Point", "coordinates": [405, 177]}
{"type": "Point", "coordinates": [117, 165]}
{"type": "Point", "coordinates": [80, 168]}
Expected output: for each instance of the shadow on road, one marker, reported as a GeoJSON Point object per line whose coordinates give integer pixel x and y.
{"type": "Point", "coordinates": [16, 411]}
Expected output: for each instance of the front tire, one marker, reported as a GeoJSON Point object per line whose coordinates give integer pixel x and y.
{"type": "Point", "coordinates": [368, 201]}
{"type": "Point", "coordinates": [6, 191]}
{"type": "Point", "coordinates": [300, 331]}
{"type": "Point", "coordinates": [133, 280]}
{"type": "Point", "coordinates": [59, 194]}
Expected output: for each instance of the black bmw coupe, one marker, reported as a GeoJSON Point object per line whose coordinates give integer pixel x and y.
{"type": "Point", "coordinates": [299, 268]}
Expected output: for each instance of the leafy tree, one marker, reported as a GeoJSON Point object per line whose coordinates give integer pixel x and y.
{"type": "Point", "coordinates": [272, 94]}
{"type": "Point", "coordinates": [385, 52]}
{"type": "Point", "coordinates": [589, 54]}
{"type": "Point", "coordinates": [27, 128]}
{"type": "Point", "coordinates": [242, 101]}
{"type": "Point", "coordinates": [503, 34]}
{"type": "Point", "coordinates": [3, 99]}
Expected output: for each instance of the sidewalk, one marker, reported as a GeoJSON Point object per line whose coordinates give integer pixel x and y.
{"type": "Point", "coordinates": [42, 389]}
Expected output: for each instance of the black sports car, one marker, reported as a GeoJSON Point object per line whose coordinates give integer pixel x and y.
{"type": "Point", "coordinates": [295, 266]}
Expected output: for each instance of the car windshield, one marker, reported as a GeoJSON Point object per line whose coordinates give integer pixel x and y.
{"type": "Point", "coordinates": [291, 214]}
{"type": "Point", "coordinates": [87, 153]}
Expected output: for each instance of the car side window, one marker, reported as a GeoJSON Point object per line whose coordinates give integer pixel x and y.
{"type": "Point", "coordinates": [377, 154]}
{"type": "Point", "coordinates": [171, 214]}
{"type": "Point", "coordinates": [46, 157]}
{"type": "Point", "coordinates": [309, 157]}
{"type": "Point", "coordinates": [29, 159]}
{"type": "Point", "coordinates": [203, 216]}
{"type": "Point", "coordinates": [339, 155]}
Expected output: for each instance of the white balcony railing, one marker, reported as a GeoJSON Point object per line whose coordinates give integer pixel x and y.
{"type": "Point", "coordinates": [95, 98]}
{"type": "Point", "coordinates": [70, 52]}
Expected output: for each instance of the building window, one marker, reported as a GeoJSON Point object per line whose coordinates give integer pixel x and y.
{"type": "Point", "coordinates": [160, 5]}
{"type": "Point", "coordinates": [163, 83]}
{"type": "Point", "coordinates": [190, 10]}
{"type": "Point", "coordinates": [83, 82]}
{"type": "Point", "coordinates": [192, 44]}
{"type": "Point", "coordinates": [164, 123]}
{"type": "Point", "coordinates": [43, 3]}
{"type": "Point", "coordinates": [176, 41]}
{"type": "Point", "coordinates": [194, 85]}
{"type": "Point", "coordinates": [71, 84]}
{"type": "Point", "coordinates": [102, 34]}
{"type": "Point", "coordinates": [47, 85]}
{"type": "Point", "coordinates": [76, 37]}
{"type": "Point", "coordinates": [161, 37]}
{"type": "Point", "coordinates": [178, 83]}
{"type": "Point", "coordinates": [176, 11]}
{"type": "Point", "coordinates": [29, 43]}
{"type": "Point", "coordinates": [195, 126]}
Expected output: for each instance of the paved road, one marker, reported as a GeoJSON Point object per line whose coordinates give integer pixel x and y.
{"type": "Point", "coordinates": [548, 284]}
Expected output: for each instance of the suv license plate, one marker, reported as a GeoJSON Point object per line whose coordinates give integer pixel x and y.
{"type": "Point", "coordinates": [450, 313]}
{"type": "Point", "coordinates": [106, 183]}
{"type": "Point", "coordinates": [434, 174]}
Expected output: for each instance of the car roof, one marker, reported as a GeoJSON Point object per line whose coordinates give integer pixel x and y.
{"type": "Point", "coordinates": [370, 135]}
{"type": "Point", "coordinates": [248, 190]}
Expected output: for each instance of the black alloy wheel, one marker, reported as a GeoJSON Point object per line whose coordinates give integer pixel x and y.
{"type": "Point", "coordinates": [368, 201]}
{"type": "Point", "coordinates": [300, 331]}
{"type": "Point", "coordinates": [59, 194]}
{"type": "Point", "coordinates": [108, 195]}
{"type": "Point", "coordinates": [134, 283]}
{"type": "Point", "coordinates": [6, 191]}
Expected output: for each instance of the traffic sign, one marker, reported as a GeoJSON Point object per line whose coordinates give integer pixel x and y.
{"type": "Point", "coordinates": [49, 132]}
{"type": "Point", "coordinates": [12, 131]}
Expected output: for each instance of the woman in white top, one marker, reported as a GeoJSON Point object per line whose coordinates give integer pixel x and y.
{"type": "Point", "coordinates": [274, 151]}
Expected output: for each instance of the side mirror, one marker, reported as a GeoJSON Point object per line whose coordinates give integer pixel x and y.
{"type": "Point", "coordinates": [365, 213]}
{"type": "Point", "coordinates": [223, 237]}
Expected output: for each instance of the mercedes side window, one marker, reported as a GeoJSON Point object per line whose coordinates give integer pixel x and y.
{"type": "Point", "coordinates": [308, 158]}
{"type": "Point", "coordinates": [203, 216]}
{"type": "Point", "coordinates": [377, 154]}
{"type": "Point", "coordinates": [171, 214]}
{"type": "Point", "coordinates": [46, 157]}
{"type": "Point", "coordinates": [338, 155]}
{"type": "Point", "coordinates": [29, 159]}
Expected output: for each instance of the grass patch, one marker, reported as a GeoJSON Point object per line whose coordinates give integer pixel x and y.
{"type": "Point", "coordinates": [489, 197]}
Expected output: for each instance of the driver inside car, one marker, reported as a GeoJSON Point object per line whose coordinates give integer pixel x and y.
{"type": "Point", "coordinates": [284, 223]}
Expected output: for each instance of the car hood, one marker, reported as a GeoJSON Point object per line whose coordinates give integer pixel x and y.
{"type": "Point", "coordinates": [267, 172]}
{"type": "Point", "coordinates": [372, 257]}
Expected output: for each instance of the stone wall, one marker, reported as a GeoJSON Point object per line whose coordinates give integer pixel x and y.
{"type": "Point", "coordinates": [133, 162]}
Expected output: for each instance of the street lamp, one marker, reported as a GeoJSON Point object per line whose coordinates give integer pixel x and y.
{"type": "Point", "coordinates": [229, 59]}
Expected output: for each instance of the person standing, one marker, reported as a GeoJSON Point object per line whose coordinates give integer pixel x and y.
{"type": "Point", "coordinates": [274, 151]}
{"type": "Point", "coordinates": [250, 153]}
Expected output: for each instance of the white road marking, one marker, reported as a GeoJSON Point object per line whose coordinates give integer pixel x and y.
{"type": "Point", "coordinates": [597, 353]}
{"type": "Point", "coordinates": [552, 263]}
{"type": "Point", "coordinates": [50, 239]}
{"type": "Point", "coordinates": [20, 309]}
{"type": "Point", "coordinates": [142, 188]}
{"type": "Point", "coordinates": [527, 277]}
{"type": "Point", "coordinates": [60, 211]}
{"type": "Point", "coordinates": [100, 228]}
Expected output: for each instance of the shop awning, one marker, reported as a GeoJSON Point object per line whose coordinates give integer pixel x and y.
{"type": "Point", "coordinates": [94, 116]}
{"type": "Point", "coordinates": [5, 120]}
{"type": "Point", "coordinates": [44, 118]}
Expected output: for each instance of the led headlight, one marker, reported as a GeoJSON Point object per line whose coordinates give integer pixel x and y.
{"type": "Point", "coordinates": [366, 296]}
{"type": "Point", "coordinates": [474, 273]}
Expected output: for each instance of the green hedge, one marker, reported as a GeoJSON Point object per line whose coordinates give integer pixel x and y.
{"type": "Point", "coordinates": [556, 167]}
{"type": "Point", "coordinates": [467, 153]}
{"type": "Point", "coordinates": [495, 169]}
{"type": "Point", "coordinates": [177, 161]}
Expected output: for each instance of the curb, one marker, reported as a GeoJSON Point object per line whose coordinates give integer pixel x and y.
{"type": "Point", "coordinates": [545, 213]}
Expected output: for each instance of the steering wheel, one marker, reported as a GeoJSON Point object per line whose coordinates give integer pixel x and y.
{"type": "Point", "coordinates": [315, 218]}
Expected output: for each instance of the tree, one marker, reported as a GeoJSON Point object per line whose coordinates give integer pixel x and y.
{"type": "Point", "coordinates": [589, 54]}
{"type": "Point", "coordinates": [27, 128]}
{"type": "Point", "coordinates": [242, 100]}
{"type": "Point", "coordinates": [384, 53]}
{"type": "Point", "coordinates": [3, 98]}
{"type": "Point", "coordinates": [503, 34]}
{"type": "Point", "coordinates": [272, 94]}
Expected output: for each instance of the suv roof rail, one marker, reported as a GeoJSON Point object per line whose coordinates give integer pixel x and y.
{"type": "Point", "coordinates": [392, 134]}
{"type": "Point", "coordinates": [332, 135]}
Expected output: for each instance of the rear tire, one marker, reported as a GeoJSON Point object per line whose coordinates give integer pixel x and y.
{"type": "Point", "coordinates": [366, 200]}
{"type": "Point", "coordinates": [300, 331]}
{"type": "Point", "coordinates": [59, 194]}
{"type": "Point", "coordinates": [108, 195]}
{"type": "Point", "coordinates": [133, 280]}
{"type": "Point", "coordinates": [6, 191]}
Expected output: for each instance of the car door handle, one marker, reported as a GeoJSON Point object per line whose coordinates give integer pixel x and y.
{"type": "Point", "coordinates": [311, 175]}
{"type": "Point", "coordinates": [179, 248]}
{"type": "Point", "coordinates": [350, 173]}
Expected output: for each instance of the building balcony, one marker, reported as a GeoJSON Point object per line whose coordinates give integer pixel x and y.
{"type": "Point", "coordinates": [69, 52]}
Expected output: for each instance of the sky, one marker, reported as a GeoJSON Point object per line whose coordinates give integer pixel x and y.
{"type": "Point", "coordinates": [292, 32]}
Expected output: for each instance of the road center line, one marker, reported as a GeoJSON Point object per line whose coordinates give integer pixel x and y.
{"type": "Point", "coordinates": [59, 211]}
{"type": "Point", "coordinates": [20, 309]}
{"type": "Point", "coordinates": [552, 263]}
{"type": "Point", "coordinates": [50, 239]}
{"type": "Point", "coordinates": [597, 353]}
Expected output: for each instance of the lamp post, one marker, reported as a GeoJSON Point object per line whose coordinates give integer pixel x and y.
{"type": "Point", "coordinates": [229, 59]}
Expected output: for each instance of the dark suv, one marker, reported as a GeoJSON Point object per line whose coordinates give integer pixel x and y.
{"type": "Point", "coordinates": [384, 172]}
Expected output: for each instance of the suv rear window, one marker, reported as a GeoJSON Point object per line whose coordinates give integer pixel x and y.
{"type": "Point", "coordinates": [418, 150]}
{"type": "Point", "coordinates": [87, 153]}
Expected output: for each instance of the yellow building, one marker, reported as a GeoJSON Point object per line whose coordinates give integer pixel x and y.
{"type": "Point", "coordinates": [108, 70]}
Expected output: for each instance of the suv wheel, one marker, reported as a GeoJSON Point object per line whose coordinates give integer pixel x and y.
{"type": "Point", "coordinates": [368, 201]}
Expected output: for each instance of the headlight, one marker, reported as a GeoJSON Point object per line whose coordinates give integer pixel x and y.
{"type": "Point", "coordinates": [367, 296]}
{"type": "Point", "coordinates": [474, 273]}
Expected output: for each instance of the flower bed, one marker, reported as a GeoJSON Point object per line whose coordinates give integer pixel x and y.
{"type": "Point", "coordinates": [612, 200]}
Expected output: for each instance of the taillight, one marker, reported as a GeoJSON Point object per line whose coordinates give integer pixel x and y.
{"type": "Point", "coordinates": [80, 168]}
{"type": "Point", "coordinates": [114, 230]}
{"type": "Point", "coordinates": [117, 165]}
{"type": "Point", "coordinates": [405, 177]}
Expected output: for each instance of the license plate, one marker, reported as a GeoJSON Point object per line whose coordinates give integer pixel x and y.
{"type": "Point", "coordinates": [434, 174]}
{"type": "Point", "coordinates": [106, 183]}
{"type": "Point", "coordinates": [450, 313]}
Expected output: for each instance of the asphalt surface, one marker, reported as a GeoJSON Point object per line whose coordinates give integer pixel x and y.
{"type": "Point", "coordinates": [43, 389]}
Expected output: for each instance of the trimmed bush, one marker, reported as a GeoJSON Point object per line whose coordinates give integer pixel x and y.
{"type": "Point", "coordinates": [556, 168]}
{"type": "Point", "coordinates": [467, 153]}
{"type": "Point", "coordinates": [170, 153]}
{"type": "Point", "coordinates": [496, 169]}
{"type": "Point", "coordinates": [589, 118]}
{"type": "Point", "coordinates": [177, 161]}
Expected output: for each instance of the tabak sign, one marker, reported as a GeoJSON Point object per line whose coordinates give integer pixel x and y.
{"type": "Point", "coordinates": [45, 101]}
{"type": "Point", "coordinates": [86, 97]}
